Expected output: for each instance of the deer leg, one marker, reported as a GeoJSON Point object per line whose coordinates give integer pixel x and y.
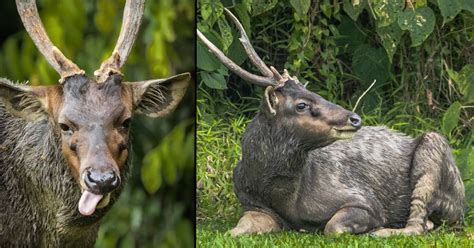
{"type": "Point", "coordinates": [437, 187]}
{"type": "Point", "coordinates": [408, 230]}
{"type": "Point", "coordinates": [254, 222]}
{"type": "Point", "coordinates": [351, 220]}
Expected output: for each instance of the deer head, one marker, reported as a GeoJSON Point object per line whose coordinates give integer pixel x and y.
{"type": "Point", "coordinates": [287, 102]}
{"type": "Point", "coordinates": [92, 115]}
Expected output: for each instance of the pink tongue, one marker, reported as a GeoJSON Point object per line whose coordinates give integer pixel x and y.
{"type": "Point", "coordinates": [88, 202]}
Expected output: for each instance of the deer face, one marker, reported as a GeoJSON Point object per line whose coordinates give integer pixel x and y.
{"type": "Point", "coordinates": [92, 121]}
{"type": "Point", "coordinates": [312, 118]}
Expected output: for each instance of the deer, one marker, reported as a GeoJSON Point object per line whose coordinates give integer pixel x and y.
{"type": "Point", "coordinates": [65, 149]}
{"type": "Point", "coordinates": [309, 165]}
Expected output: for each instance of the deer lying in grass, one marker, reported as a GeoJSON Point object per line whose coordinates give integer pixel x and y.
{"type": "Point", "coordinates": [65, 149]}
{"type": "Point", "coordinates": [308, 164]}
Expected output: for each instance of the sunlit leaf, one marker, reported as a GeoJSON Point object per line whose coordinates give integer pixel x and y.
{"type": "Point", "coordinates": [226, 33]}
{"type": "Point", "coordinates": [419, 22]}
{"type": "Point", "coordinates": [150, 173]}
{"type": "Point", "coordinates": [390, 37]}
{"type": "Point", "coordinates": [386, 11]}
{"type": "Point", "coordinates": [451, 118]}
{"type": "Point", "coordinates": [464, 80]}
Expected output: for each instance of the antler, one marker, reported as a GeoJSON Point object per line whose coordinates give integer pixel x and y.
{"type": "Point", "coordinates": [33, 25]}
{"type": "Point", "coordinates": [132, 17]}
{"type": "Point", "coordinates": [271, 78]}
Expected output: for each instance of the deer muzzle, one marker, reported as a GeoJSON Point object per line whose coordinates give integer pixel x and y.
{"type": "Point", "coordinates": [98, 186]}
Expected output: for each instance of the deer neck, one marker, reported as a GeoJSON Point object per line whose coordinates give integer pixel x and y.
{"type": "Point", "coordinates": [268, 145]}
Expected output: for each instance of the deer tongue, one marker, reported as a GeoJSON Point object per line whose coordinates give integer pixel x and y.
{"type": "Point", "coordinates": [88, 202]}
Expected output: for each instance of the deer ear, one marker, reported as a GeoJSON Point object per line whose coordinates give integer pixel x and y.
{"type": "Point", "coordinates": [23, 101]}
{"type": "Point", "coordinates": [158, 97]}
{"type": "Point", "coordinates": [271, 100]}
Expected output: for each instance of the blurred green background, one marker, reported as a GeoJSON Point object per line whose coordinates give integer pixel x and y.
{"type": "Point", "coordinates": [422, 57]}
{"type": "Point", "coordinates": [157, 207]}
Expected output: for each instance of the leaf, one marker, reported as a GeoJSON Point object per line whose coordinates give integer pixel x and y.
{"type": "Point", "coordinates": [237, 52]}
{"type": "Point", "coordinates": [464, 160]}
{"type": "Point", "coordinates": [420, 3]}
{"type": "Point", "coordinates": [353, 11]}
{"type": "Point", "coordinates": [419, 22]}
{"type": "Point", "coordinates": [211, 11]}
{"type": "Point", "coordinates": [10, 48]}
{"type": "Point", "coordinates": [243, 16]}
{"type": "Point", "coordinates": [150, 171]}
{"type": "Point", "coordinates": [214, 80]}
{"type": "Point", "coordinates": [386, 11]}
{"type": "Point", "coordinates": [449, 9]}
{"type": "Point", "coordinates": [301, 6]}
{"type": "Point", "coordinates": [226, 33]}
{"type": "Point", "coordinates": [371, 64]}
{"type": "Point", "coordinates": [205, 60]}
{"type": "Point", "coordinates": [261, 6]}
{"type": "Point", "coordinates": [451, 118]}
{"type": "Point", "coordinates": [390, 37]}
{"type": "Point", "coordinates": [467, 5]}
{"type": "Point", "coordinates": [464, 80]}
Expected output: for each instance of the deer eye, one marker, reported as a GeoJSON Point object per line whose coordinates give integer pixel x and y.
{"type": "Point", "coordinates": [65, 128]}
{"type": "Point", "coordinates": [302, 106]}
{"type": "Point", "coordinates": [126, 123]}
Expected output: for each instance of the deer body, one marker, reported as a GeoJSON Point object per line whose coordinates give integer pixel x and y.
{"type": "Point", "coordinates": [308, 165]}
{"type": "Point", "coordinates": [302, 189]}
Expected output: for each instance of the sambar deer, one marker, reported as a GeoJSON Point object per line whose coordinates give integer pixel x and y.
{"type": "Point", "coordinates": [65, 149]}
{"type": "Point", "coordinates": [308, 164]}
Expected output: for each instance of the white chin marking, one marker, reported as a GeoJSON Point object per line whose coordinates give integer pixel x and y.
{"type": "Point", "coordinates": [342, 134]}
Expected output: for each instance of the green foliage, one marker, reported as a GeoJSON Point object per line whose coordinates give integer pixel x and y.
{"type": "Point", "coordinates": [174, 153]}
{"type": "Point", "coordinates": [451, 118]}
{"type": "Point", "coordinates": [422, 63]}
{"type": "Point", "coordinates": [158, 211]}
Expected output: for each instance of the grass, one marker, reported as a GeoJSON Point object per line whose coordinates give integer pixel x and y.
{"type": "Point", "coordinates": [213, 233]}
{"type": "Point", "coordinates": [218, 210]}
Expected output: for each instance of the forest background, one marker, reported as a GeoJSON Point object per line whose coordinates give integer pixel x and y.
{"type": "Point", "coordinates": [157, 207]}
{"type": "Point", "coordinates": [420, 52]}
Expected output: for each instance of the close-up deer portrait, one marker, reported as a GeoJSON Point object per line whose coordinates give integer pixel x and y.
{"type": "Point", "coordinates": [310, 165]}
{"type": "Point", "coordinates": [65, 149]}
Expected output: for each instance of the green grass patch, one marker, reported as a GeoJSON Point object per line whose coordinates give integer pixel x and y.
{"type": "Point", "coordinates": [214, 234]}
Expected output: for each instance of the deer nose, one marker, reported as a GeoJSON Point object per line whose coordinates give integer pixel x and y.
{"type": "Point", "coordinates": [101, 182]}
{"type": "Point", "coordinates": [355, 120]}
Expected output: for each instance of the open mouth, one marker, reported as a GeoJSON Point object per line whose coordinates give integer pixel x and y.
{"type": "Point", "coordinates": [343, 132]}
{"type": "Point", "coordinates": [89, 202]}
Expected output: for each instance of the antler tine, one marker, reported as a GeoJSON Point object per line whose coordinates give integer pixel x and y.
{"type": "Point", "coordinates": [132, 17]}
{"type": "Point", "coordinates": [244, 39]}
{"type": "Point", "coordinates": [252, 78]}
{"type": "Point", "coordinates": [33, 25]}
